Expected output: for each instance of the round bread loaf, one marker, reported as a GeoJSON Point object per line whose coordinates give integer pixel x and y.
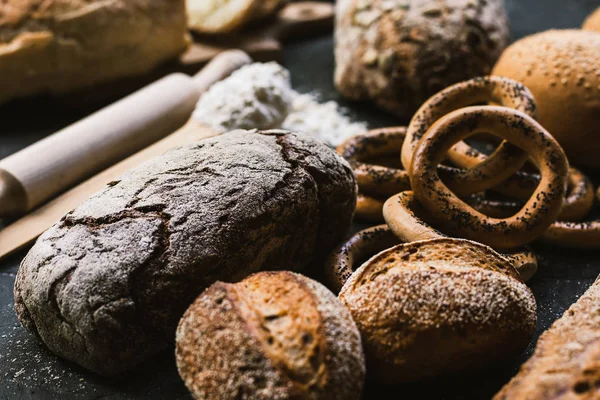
{"type": "Point", "coordinates": [562, 70]}
{"type": "Point", "coordinates": [274, 335]}
{"type": "Point", "coordinates": [592, 23]}
{"type": "Point", "coordinates": [399, 53]}
{"type": "Point", "coordinates": [58, 46]}
{"type": "Point", "coordinates": [438, 306]}
{"type": "Point", "coordinates": [106, 286]}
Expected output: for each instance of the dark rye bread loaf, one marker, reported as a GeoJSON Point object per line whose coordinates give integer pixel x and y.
{"type": "Point", "coordinates": [106, 286]}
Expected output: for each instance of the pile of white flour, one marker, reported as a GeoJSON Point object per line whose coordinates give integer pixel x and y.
{"type": "Point", "coordinates": [261, 96]}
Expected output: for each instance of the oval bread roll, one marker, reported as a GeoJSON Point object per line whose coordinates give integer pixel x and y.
{"type": "Point", "coordinates": [274, 335]}
{"type": "Point", "coordinates": [57, 46]}
{"type": "Point", "coordinates": [438, 306]}
{"type": "Point", "coordinates": [106, 286]}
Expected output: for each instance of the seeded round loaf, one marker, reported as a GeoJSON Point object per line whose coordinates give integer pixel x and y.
{"type": "Point", "coordinates": [592, 22]}
{"type": "Point", "coordinates": [562, 70]}
{"type": "Point", "coordinates": [57, 46]}
{"type": "Point", "coordinates": [399, 53]}
{"type": "Point", "coordinates": [275, 335]}
{"type": "Point", "coordinates": [106, 286]}
{"type": "Point", "coordinates": [438, 306]}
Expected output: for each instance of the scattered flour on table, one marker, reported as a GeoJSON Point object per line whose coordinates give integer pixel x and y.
{"type": "Point", "coordinates": [261, 96]}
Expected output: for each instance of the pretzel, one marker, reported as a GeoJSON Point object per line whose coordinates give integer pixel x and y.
{"type": "Point", "coordinates": [578, 235]}
{"type": "Point", "coordinates": [406, 219]}
{"type": "Point", "coordinates": [483, 172]}
{"type": "Point", "coordinates": [577, 203]}
{"type": "Point", "coordinates": [539, 212]}
{"type": "Point", "coordinates": [346, 258]}
{"type": "Point", "coordinates": [368, 208]}
{"type": "Point", "coordinates": [376, 179]}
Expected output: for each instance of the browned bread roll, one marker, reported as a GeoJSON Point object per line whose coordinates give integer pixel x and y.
{"type": "Point", "coordinates": [562, 70]}
{"type": "Point", "coordinates": [592, 23]}
{"type": "Point", "coordinates": [106, 286]}
{"type": "Point", "coordinates": [57, 46]}
{"type": "Point", "coordinates": [275, 335]}
{"type": "Point", "coordinates": [399, 53]}
{"type": "Point", "coordinates": [437, 306]}
{"type": "Point", "coordinates": [566, 360]}
{"type": "Point", "coordinates": [218, 16]}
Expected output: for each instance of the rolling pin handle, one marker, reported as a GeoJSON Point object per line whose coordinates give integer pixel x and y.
{"type": "Point", "coordinates": [219, 68]}
{"type": "Point", "coordinates": [13, 197]}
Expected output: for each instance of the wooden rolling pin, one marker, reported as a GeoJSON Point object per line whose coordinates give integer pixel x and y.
{"type": "Point", "coordinates": [39, 172]}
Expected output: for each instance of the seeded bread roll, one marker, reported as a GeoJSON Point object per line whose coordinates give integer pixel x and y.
{"type": "Point", "coordinates": [562, 70]}
{"type": "Point", "coordinates": [566, 360]}
{"type": "Point", "coordinates": [275, 335]}
{"type": "Point", "coordinates": [106, 286]}
{"type": "Point", "coordinates": [592, 23]}
{"type": "Point", "coordinates": [437, 306]}
{"type": "Point", "coordinates": [399, 53]}
{"type": "Point", "coordinates": [57, 46]}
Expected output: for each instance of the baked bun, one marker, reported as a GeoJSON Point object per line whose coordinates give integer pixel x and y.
{"type": "Point", "coordinates": [274, 335]}
{"type": "Point", "coordinates": [562, 70]}
{"type": "Point", "coordinates": [58, 46]}
{"type": "Point", "coordinates": [399, 53]}
{"type": "Point", "coordinates": [437, 306]}
{"type": "Point", "coordinates": [592, 22]}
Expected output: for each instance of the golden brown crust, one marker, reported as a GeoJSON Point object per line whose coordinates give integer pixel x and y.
{"type": "Point", "coordinates": [406, 219]}
{"type": "Point", "coordinates": [400, 53]}
{"type": "Point", "coordinates": [437, 306]}
{"type": "Point", "coordinates": [592, 22]}
{"type": "Point", "coordinates": [284, 335]}
{"type": "Point", "coordinates": [368, 209]}
{"type": "Point", "coordinates": [566, 360]}
{"type": "Point", "coordinates": [540, 211]}
{"type": "Point", "coordinates": [57, 46]}
{"type": "Point", "coordinates": [562, 70]}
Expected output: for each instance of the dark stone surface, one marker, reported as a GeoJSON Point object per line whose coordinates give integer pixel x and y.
{"type": "Point", "coordinates": [29, 371]}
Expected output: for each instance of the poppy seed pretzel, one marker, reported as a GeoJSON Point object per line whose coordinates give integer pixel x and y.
{"type": "Point", "coordinates": [407, 219]}
{"type": "Point", "coordinates": [482, 172]}
{"type": "Point", "coordinates": [540, 211]}
{"type": "Point", "coordinates": [577, 204]}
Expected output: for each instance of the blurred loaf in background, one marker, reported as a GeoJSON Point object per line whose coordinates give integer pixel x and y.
{"type": "Point", "coordinates": [399, 53]}
{"type": "Point", "coordinates": [57, 46]}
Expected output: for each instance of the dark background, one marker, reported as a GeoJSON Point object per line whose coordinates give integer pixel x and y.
{"type": "Point", "coordinates": [29, 371]}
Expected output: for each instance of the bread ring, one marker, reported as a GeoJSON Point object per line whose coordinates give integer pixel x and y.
{"type": "Point", "coordinates": [346, 258]}
{"type": "Point", "coordinates": [577, 235]}
{"type": "Point", "coordinates": [577, 203]}
{"type": "Point", "coordinates": [368, 208]}
{"type": "Point", "coordinates": [405, 218]}
{"type": "Point", "coordinates": [376, 179]}
{"type": "Point", "coordinates": [540, 211]}
{"type": "Point", "coordinates": [484, 172]}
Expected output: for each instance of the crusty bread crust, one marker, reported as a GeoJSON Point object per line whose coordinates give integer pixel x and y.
{"type": "Point", "coordinates": [274, 335]}
{"type": "Point", "coordinates": [398, 54]}
{"type": "Point", "coordinates": [57, 46]}
{"type": "Point", "coordinates": [566, 360]}
{"type": "Point", "coordinates": [106, 286]}
{"type": "Point", "coordinates": [438, 306]}
{"type": "Point", "coordinates": [562, 70]}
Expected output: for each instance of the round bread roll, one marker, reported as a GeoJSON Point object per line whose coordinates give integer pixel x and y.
{"type": "Point", "coordinates": [592, 23]}
{"type": "Point", "coordinates": [562, 70]}
{"type": "Point", "coordinates": [438, 306]}
{"type": "Point", "coordinates": [399, 53]}
{"type": "Point", "coordinates": [274, 335]}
